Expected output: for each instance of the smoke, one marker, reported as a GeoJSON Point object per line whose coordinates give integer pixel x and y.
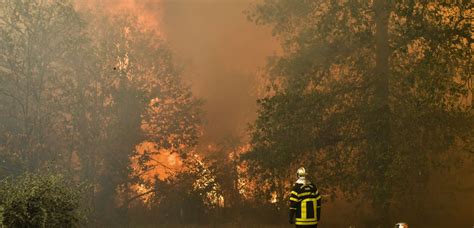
{"type": "Point", "coordinates": [147, 11]}
{"type": "Point", "coordinates": [220, 51]}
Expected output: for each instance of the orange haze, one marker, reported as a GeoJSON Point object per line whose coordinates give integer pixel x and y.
{"type": "Point", "coordinates": [220, 50]}
{"type": "Point", "coordinates": [147, 11]}
{"type": "Point", "coordinates": [221, 53]}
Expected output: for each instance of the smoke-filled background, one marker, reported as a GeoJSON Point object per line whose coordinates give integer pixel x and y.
{"type": "Point", "coordinates": [197, 113]}
{"type": "Point", "coordinates": [223, 64]}
{"type": "Point", "coordinates": [221, 52]}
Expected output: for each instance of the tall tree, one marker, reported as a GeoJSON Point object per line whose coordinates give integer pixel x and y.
{"type": "Point", "coordinates": [378, 118]}
{"type": "Point", "coordinates": [80, 91]}
{"type": "Point", "coordinates": [368, 94]}
{"type": "Point", "coordinates": [38, 44]}
{"type": "Point", "coordinates": [134, 95]}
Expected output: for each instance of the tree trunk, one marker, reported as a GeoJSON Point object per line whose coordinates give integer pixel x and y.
{"type": "Point", "coordinates": [381, 114]}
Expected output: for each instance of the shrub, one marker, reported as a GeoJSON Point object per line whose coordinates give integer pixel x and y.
{"type": "Point", "coordinates": [34, 200]}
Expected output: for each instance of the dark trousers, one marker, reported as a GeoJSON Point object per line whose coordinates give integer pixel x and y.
{"type": "Point", "coordinates": [307, 226]}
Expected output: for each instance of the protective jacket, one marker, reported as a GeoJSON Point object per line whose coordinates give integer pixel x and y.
{"type": "Point", "coordinates": [305, 204]}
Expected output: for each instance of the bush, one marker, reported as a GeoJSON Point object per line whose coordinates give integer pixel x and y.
{"type": "Point", "coordinates": [33, 200]}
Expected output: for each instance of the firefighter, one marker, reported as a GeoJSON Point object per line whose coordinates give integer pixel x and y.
{"type": "Point", "coordinates": [305, 202]}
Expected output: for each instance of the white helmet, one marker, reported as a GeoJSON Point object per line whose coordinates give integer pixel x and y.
{"type": "Point", "coordinates": [301, 172]}
{"type": "Point", "coordinates": [401, 225]}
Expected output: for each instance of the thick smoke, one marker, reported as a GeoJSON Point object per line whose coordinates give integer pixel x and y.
{"type": "Point", "coordinates": [147, 11]}
{"type": "Point", "coordinates": [219, 49]}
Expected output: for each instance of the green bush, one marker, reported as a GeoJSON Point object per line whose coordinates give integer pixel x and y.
{"type": "Point", "coordinates": [33, 200]}
{"type": "Point", "coordinates": [1, 216]}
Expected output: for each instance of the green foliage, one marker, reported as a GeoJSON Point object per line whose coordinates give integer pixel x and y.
{"type": "Point", "coordinates": [2, 211]}
{"type": "Point", "coordinates": [39, 43]}
{"type": "Point", "coordinates": [80, 90]}
{"type": "Point", "coordinates": [33, 200]}
{"type": "Point", "coordinates": [366, 110]}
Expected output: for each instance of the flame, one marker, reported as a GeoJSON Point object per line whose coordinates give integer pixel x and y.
{"type": "Point", "coordinates": [163, 162]}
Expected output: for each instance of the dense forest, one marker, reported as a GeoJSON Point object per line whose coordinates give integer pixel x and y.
{"type": "Point", "coordinates": [99, 126]}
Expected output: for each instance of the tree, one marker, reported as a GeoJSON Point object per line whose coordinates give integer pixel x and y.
{"type": "Point", "coordinates": [190, 196]}
{"type": "Point", "coordinates": [366, 94]}
{"type": "Point", "coordinates": [38, 42]}
{"type": "Point", "coordinates": [133, 93]}
{"type": "Point", "coordinates": [40, 201]}
{"type": "Point", "coordinates": [79, 91]}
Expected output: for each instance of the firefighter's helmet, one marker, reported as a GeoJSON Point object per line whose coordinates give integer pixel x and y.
{"type": "Point", "coordinates": [401, 225]}
{"type": "Point", "coordinates": [301, 172]}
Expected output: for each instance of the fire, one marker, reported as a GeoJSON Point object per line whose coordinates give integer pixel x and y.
{"type": "Point", "coordinates": [163, 162]}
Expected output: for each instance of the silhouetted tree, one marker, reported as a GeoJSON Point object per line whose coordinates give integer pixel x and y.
{"type": "Point", "coordinates": [369, 95]}
{"type": "Point", "coordinates": [39, 42]}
